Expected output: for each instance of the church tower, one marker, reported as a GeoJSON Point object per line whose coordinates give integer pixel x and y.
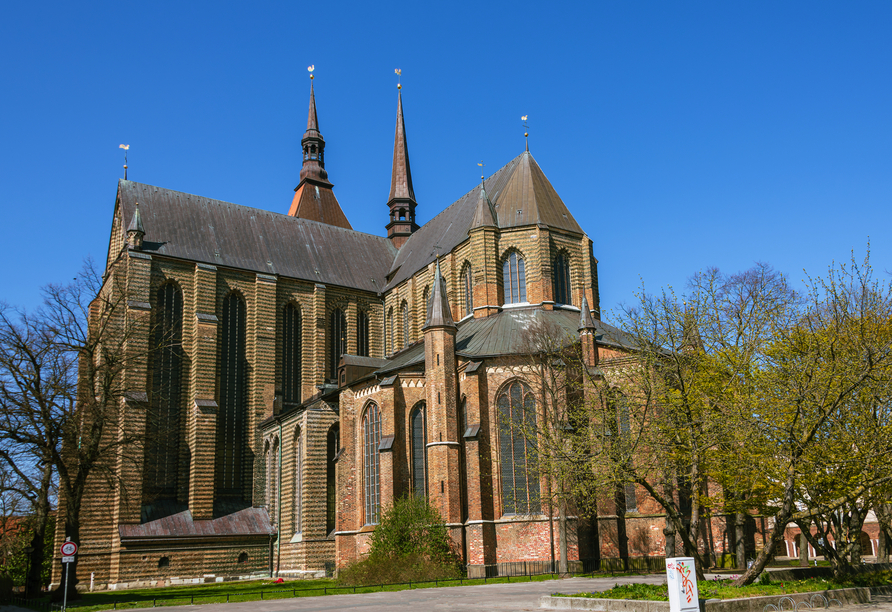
{"type": "Point", "coordinates": [441, 386]}
{"type": "Point", "coordinates": [313, 196]}
{"type": "Point", "coordinates": [402, 196]}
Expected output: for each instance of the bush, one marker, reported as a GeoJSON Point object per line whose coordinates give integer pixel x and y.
{"type": "Point", "coordinates": [410, 543]}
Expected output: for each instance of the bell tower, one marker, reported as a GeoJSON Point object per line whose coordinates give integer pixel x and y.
{"type": "Point", "coordinates": [314, 198]}
{"type": "Point", "coordinates": [402, 196]}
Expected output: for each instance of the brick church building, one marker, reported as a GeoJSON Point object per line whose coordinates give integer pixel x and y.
{"type": "Point", "coordinates": [317, 372]}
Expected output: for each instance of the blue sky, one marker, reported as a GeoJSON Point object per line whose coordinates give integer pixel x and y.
{"type": "Point", "coordinates": [681, 135]}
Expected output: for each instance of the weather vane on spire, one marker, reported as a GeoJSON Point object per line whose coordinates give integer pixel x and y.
{"type": "Point", "coordinates": [126, 148]}
{"type": "Point", "coordinates": [399, 75]}
{"type": "Point", "coordinates": [310, 69]}
{"type": "Point", "coordinates": [482, 175]}
{"type": "Point", "coordinates": [526, 132]}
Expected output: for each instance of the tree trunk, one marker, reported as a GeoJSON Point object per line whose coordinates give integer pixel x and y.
{"type": "Point", "coordinates": [562, 525]}
{"type": "Point", "coordinates": [669, 532]}
{"type": "Point", "coordinates": [803, 548]}
{"type": "Point", "coordinates": [38, 542]}
{"type": "Point", "coordinates": [740, 539]}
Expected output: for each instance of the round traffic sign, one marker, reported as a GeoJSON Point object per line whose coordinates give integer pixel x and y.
{"type": "Point", "coordinates": [69, 548]}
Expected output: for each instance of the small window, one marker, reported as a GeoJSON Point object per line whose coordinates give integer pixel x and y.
{"type": "Point", "coordinates": [163, 562]}
{"type": "Point", "coordinates": [243, 558]}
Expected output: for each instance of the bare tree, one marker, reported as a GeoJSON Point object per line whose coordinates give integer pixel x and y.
{"type": "Point", "coordinates": [63, 394]}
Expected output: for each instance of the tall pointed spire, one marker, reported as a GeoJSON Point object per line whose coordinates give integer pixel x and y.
{"type": "Point", "coordinates": [401, 201]}
{"type": "Point", "coordinates": [438, 312]}
{"type": "Point", "coordinates": [312, 120]}
{"type": "Point", "coordinates": [313, 196]}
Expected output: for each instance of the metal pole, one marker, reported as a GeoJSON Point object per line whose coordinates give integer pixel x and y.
{"type": "Point", "coordinates": [65, 592]}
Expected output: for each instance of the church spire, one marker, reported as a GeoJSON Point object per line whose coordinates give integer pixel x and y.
{"type": "Point", "coordinates": [438, 312]}
{"type": "Point", "coordinates": [402, 195]}
{"type": "Point", "coordinates": [313, 196]}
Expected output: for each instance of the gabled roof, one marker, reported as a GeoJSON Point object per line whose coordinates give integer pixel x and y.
{"type": "Point", "coordinates": [521, 195]}
{"type": "Point", "coordinates": [200, 229]}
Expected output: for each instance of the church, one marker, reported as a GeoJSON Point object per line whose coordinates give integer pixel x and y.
{"type": "Point", "coordinates": [313, 373]}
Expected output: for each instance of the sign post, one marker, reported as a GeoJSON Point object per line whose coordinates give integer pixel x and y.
{"type": "Point", "coordinates": [681, 579]}
{"type": "Point", "coordinates": [69, 549]}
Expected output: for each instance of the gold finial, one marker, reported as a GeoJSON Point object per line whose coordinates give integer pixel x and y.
{"type": "Point", "coordinates": [126, 148]}
{"type": "Point", "coordinates": [399, 74]}
{"type": "Point", "coordinates": [526, 133]}
{"type": "Point", "coordinates": [310, 69]}
{"type": "Point", "coordinates": [482, 176]}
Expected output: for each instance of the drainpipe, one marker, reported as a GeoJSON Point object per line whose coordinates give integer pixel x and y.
{"type": "Point", "coordinates": [279, 502]}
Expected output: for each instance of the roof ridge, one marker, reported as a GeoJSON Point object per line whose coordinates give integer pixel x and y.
{"type": "Point", "coordinates": [262, 210]}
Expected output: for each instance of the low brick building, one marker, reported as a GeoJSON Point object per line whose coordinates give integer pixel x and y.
{"type": "Point", "coordinates": [312, 373]}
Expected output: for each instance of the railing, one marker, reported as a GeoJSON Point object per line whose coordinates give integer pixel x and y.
{"type": "Point", "coordinates": [472, 574]}
{"type": "Point", "coordinates": [788, 603]}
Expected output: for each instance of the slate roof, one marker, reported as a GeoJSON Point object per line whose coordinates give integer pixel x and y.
{"type": "Point", "coordinates": [502, 334]}
{"type": "Point", "coordinates": [521, 195]}
{"type": "Point", "coordinates": [244, 523]}
{"type": "Point", "coordinates": [210, 231]}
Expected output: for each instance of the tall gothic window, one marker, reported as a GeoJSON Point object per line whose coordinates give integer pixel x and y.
{"type": "Point", "coordinates": [517, 426]}
{"type": "Point", "coordinates": [561, 279]}
{"type": "Point", "coordinates": [297, 509]}
{"type": "Point", "coordinates": [391, 345]}
{"type": "Point", "coordinates": [166, 370]}
{"type": "Point", "coordinates": [291, 353]}
{"type": "Point", "coordinates": [333, 445]}
{"type": "Point", "coordinates": [469, 291]}
{"type": "Point", "coordinates": [623, 428]}
{"type": "Point", "coordinates": [426, 300]}
{"type": "Point", "coordinates": [362, 333]}
{"type": "Point", "coordinates": [514, 281]}
{"type": "Point", "coordinates": [337, 340]}
{"type": "Point", "coordinates": [231, 418]}
{"type": "Point", "coordinates": [419, 450]}
{"type": "Point", "coordinates": [405, 309]}
{"type": "Point", "coordinates": [371, 432]}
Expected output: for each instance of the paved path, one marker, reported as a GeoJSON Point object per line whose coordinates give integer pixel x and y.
{"type": "Point", "coordinates": [513, 597]}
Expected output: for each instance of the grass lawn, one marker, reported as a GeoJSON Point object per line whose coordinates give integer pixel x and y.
{"type": "Point", "coordinates": [724, 589]}
{"type": "Point", "coordinates": [253, 590]}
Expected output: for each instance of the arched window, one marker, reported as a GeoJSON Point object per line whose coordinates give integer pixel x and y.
{"type": "Point", "coordinates": [162, 446]}
{"type": "Point", "coordinates": [231, 418]}
{"type": "Point", "coordinates": [297, 509]}
{"type": "Point", "coordinates": [621, 430]}
{"type": "Point", "coordinates": [514, 279]}
{"type": "Point", "coordinates": [561, 279]}
{"type": "Point", "coordinates": [362, 333]}
{"type": "Point", "coordinates": [333, 445]}
{"type": "Point", "coordinates": [337, 340]}
{"type": "Point", "coordinates": [405, 309]}
{"type": "Point", "coordinates": [371, 433]}
{"type": "Point", "coordinates": [418, 425]}
{"type": "Point", "coordinates": [391, 345]}
{"type": "Point", "coordinates": [426, 301]}
{"type": "Point", "coordinates": [469, 291]}
{"type": "Point", "coordinates": [291, 353]}
{"type": "Point", "coordinates": [517, 427]}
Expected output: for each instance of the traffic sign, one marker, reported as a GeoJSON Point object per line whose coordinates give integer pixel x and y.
{"type": "Point", "coordinates": [69, 549]}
